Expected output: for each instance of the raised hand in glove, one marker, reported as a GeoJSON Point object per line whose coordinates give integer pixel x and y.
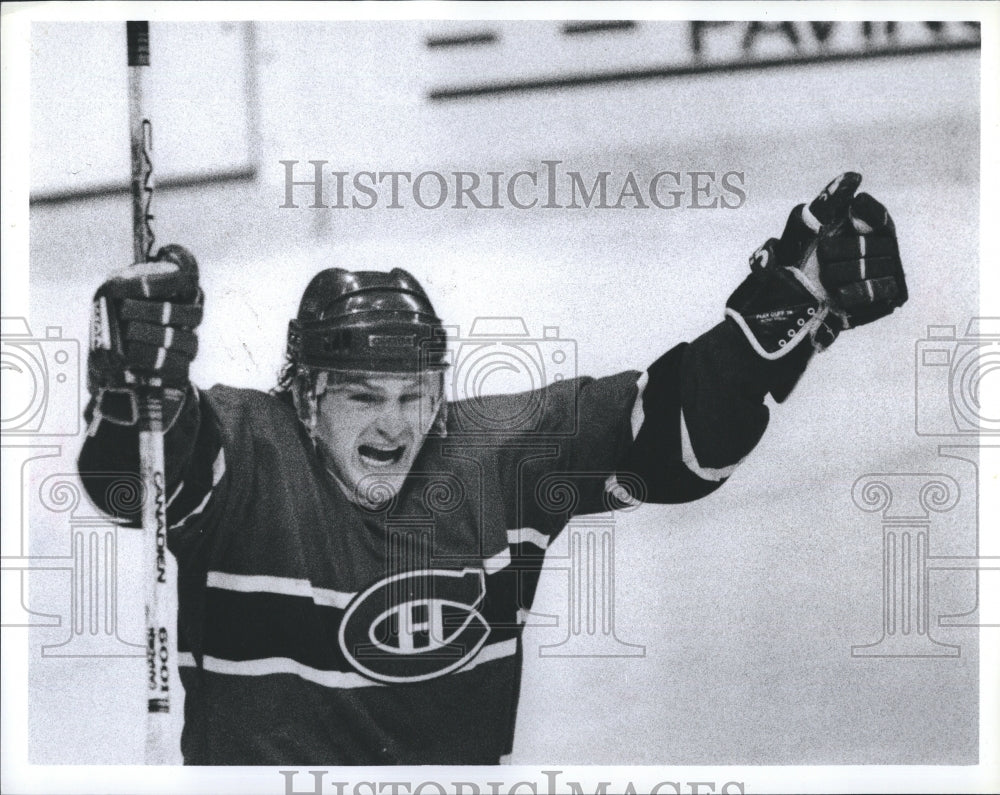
{"type": "Point", "coordinates": [836, 266]}
{"type": "Point", "coordinates": [859, 265]}
{"type": "Point", "coordinates": [143, 333]}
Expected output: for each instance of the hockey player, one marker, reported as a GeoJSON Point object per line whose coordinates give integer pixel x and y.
{"type": "Point", "coordinates": [356, 555]}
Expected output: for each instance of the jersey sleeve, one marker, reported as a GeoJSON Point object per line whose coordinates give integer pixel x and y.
{"type": "Point", "coordinates": [194, 463]}
{"type": "Point", "coordinates": [672, 434]}
{"type": "Point", "coordinates": [556, 463]}
{"type": "Point", "coordinates": [699, 413]}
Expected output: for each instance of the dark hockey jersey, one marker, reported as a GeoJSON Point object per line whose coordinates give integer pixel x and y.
{"type": "Point", "coordinates": [314, 631]}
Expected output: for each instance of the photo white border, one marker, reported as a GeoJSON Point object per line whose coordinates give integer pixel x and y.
{"type": "Point", "coordinates": [17, 776]}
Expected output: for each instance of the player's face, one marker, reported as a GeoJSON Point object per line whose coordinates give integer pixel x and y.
{"type": "Point", "coordinates": [372, 428]}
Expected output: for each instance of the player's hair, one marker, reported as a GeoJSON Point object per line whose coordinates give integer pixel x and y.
{"type": "Point", "coordinates": [286, 376]}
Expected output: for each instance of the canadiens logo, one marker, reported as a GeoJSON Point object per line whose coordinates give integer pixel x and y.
{"type": "Point", "coordinates": [416, 626]}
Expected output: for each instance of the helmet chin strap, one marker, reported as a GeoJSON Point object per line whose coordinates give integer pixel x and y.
{"type": "Point", "coordinates": [353, 495]}
{"type": "Point", "coordinates": [316, 391]}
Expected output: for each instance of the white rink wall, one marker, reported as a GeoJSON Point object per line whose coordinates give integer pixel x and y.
{"type": "Point", "coordinates": [747, 602]}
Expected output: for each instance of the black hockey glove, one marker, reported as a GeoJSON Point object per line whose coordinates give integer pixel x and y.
{"type": "Point", "coordinates": [860, 267]}
{"type": "Point", "coordinates": [835, 266]}
{"type": "Point", "coordinates": [142, 332]}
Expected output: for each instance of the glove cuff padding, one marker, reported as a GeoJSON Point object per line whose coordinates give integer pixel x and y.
{"type": "Point", "coordinates": [778, 308]}
{"type": "Point", "coordinates": [120, 406]}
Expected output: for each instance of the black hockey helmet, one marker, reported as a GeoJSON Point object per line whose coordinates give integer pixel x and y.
{"type": "Point", "coordinates": [366, 321]}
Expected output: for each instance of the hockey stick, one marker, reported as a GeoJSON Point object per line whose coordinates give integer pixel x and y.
{"type": "Point", "coordinates": [151, 456]}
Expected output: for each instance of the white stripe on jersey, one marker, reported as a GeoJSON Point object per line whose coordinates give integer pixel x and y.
{"type": "Point", "coordinates": [194, 391]}
{"type": "Point", "coordinates": [638, 416]}
{"type": "Point", "coordinates": [528, 535]}
{"type": "Point", "coordinates": [284, 665]}
{"type": "Point", "coordinates": [185, 659]}
{"type": "Point", "coordinates": [691, 460]}
{"type": "Point", "coordinates": [619, 492]}
{"type": "Point", "coordinates": [497, 651]}
{"type": "Point", "coordinates": [218, 470]}
{"type": "Point", "coordinates": [498, 562]}
{"type": "Point", "coordinates": [176, 494]}
{"type": "Point", "coordinates": [262, 583]}
{"type": "Point", "coordinates": [334, 679]}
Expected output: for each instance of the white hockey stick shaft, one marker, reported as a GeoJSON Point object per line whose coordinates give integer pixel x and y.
{"type": "Point", "coordinates": [159, 640]}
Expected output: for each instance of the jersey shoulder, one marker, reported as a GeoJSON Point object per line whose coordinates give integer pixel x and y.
{"type": "Point", "coordinates": [560, 409]}
{"type": "Point", "coordinates": [251, 411]}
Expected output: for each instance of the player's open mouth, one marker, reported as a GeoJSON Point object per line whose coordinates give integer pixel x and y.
{"type": "Point", "coordinates": [380, 456]}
